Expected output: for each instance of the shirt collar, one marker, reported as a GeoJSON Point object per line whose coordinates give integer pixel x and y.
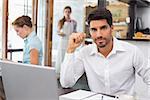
{"type": "Point", "coordinates": [32, 34]}
{"type": "Point", "coordinates": [117, 46]}
{"type": "Point", "coordinates": [94, 49]}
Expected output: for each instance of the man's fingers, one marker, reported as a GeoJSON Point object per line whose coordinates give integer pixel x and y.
{"type": "Point", "coordinates": [78, 37]}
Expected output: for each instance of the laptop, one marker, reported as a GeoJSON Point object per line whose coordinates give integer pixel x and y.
{"type": "Point", "coordinates": [29, 82]}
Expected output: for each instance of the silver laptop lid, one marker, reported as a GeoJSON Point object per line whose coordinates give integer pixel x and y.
{"type": "Point", "coordinates": [29, 82]}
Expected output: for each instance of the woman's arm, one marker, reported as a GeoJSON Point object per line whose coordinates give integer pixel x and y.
{"type": "Point", "coordinates": [34, 56]}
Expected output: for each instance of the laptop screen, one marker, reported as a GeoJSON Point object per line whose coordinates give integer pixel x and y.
{"type": "Point", "coordinates": [29, 82]}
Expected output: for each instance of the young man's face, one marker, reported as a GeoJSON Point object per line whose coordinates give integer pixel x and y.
{"type": "Point", "coordinates": [101, 32]}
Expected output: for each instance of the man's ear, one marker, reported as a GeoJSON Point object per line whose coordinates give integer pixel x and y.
{"type": "Point", "coordinates": [112, 27]}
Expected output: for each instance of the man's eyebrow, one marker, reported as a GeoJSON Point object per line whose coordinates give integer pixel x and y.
{"type": "Point", "coordinates": [104, 26]}
{"type": "Point", "coordinates": [101, 27]}
{"type": "Point", "coordinates": [93, 28]}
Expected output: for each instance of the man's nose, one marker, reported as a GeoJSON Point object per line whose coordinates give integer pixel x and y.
{"type": "Point", "coordinates": [99, 32]}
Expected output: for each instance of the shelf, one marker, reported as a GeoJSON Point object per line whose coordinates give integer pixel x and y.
{"type": "Point", "coordinates": [134, 39]}
{"type": "Point", "coordinates": [146, 38]}
{"type": "Point", "coordinates": [139, 3]}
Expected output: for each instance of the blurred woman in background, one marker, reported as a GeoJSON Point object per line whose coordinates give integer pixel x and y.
{"type": "Point", "coordinates": [66, 26]}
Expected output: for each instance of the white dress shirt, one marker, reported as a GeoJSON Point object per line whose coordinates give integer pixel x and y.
{"type": "Point", "coordinates": [114, 74]}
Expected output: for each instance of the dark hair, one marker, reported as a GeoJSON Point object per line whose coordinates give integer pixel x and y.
{"type": "Point", "coordinates": [23, 20]}
{"type": "Point", "coordinates": [62, 21]}
{"type": "Point", "coordinates": [100, 13]}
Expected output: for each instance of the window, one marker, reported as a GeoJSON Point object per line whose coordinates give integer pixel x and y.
{"type": "Point", "coordinates": [41, 22]}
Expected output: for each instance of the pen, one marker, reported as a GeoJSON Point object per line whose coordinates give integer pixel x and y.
{"type": "Point", "coordinates": [113, 96]}
{"type": "Point", "coordinates": [102, 97]}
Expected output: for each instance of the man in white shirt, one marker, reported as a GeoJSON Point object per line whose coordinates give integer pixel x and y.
{"type": "Point", "coordinates": [109, 64]}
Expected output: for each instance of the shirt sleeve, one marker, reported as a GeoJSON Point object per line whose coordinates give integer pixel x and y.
{"type": "Point", "coordinates": [142, 67]}
{"type": "Point", "coordinates": [71, 70]}
{"type": "Point", "coordinates": [35, 44]}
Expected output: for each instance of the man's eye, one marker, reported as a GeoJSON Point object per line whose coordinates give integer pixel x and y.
{"type": "Point", "coordinates": [93, 30]}
{"type": "Point", "coordinates": [104, 27]}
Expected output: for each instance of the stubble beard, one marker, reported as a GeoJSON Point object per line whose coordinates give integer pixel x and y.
{"type": "Point", "coordinates": [101, 44]}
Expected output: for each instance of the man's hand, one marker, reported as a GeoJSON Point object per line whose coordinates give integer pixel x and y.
{"type": "Point", "coordinates": [75, 41]}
